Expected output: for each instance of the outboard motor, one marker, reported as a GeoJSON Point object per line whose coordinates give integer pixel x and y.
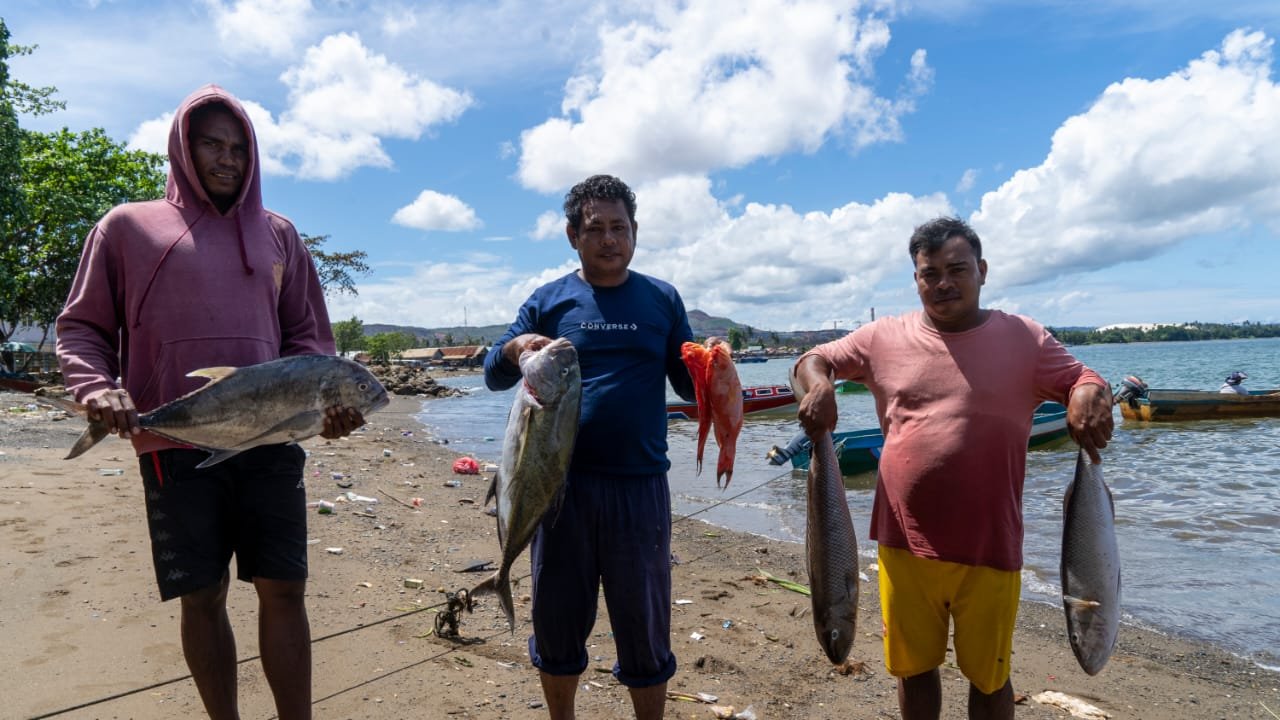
{"type": "Point", "coordinates": [782, 455]}
{"type": "Point", "coordinates": [1131, 388]}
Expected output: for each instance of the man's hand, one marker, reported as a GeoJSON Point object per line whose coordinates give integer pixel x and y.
{"type": "Point", "coordinates": [340, 421]}
{"type": "Point", "coordinates": [532, 342]}
{"type": "Point", "coordinates": [1089, 418]}
{"type": "Point", "coordinates": [115, 408]}
{"type": "Point", "coordinates": [817, 395]}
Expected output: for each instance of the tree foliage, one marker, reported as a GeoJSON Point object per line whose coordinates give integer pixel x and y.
{"type": "Point", "coordinates": [336, 269]}
{"type": "Point", "coordinates": [1167, 333]}
{"type": "Point", "coordinates": [385, 346]}
{"type": "Point", "coordinates": [68, 180]}
{"type": "Point", "coordinates": [349, 335]}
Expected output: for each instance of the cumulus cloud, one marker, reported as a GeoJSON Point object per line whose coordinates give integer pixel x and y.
{"type": "Point", "coordinates": [342, 101]}
{"type": "Point", "coordinates": [548, 226]}
{"type": "Point", "coordinates": [967, 181]}
{"type": "Point", "coordinates": [697, 89]}
{"type": "Point", "coordinates": [768, 262]}
{"type": "Point", "coordinates": [250, 27]}
{"type": "Point", "coordinates": [435, 211]}
{"type": "Point", "coordinates": [1148, 165]}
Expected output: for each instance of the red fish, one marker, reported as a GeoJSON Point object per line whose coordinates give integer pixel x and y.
{"type": "Point", "coordinates": [719, 395]}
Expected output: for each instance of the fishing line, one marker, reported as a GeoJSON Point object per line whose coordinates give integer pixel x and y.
{"type": "Point", "coordinates": [415, 611]}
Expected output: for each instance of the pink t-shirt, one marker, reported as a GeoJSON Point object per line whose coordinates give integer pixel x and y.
{"type": "Point", "coordinates": [956, 412]}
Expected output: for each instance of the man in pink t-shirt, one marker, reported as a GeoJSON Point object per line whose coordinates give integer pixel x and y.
{"type": "Point", "coordinates": [955, 387]}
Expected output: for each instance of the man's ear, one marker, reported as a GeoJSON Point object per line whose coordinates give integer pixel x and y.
{"type": "Point", "coordinates": [572, 233]}
{"type": "Point", "coordinates": [982, 272]}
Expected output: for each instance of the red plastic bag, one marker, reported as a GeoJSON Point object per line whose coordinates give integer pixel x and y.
{"type": "Point", "coordinates": [466, 466]}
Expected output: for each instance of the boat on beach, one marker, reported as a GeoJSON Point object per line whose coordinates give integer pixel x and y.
{"type": "Point", "coordinates": [859, 450]}
{"type": "Point", "coordinates": [755, 399]}
{"type": "Point", "coordinates": [18, 382]}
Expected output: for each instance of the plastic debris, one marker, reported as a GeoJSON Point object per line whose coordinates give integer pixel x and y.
{"type": "Point", "coordinates": [413, 583]}
{"type": "Point", "coordinates": [695, 635]}
{"type": "Point", "coordinates": [1074, 705]}
{"type": "Point", "coordinates": [110, 471]}
{"type": "Point", "coordinates": [334, 550]}
{"type": "Point", "coordinates": [683, 601]}
{"type": "Point", "coordinates": [466, 466]}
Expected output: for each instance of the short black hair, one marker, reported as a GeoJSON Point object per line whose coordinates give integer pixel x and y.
{"type": "Point", "coordinates": [597, 187]}
{"type": "Point", "coordinates": [935, 233]}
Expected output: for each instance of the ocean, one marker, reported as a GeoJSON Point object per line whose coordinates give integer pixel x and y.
{"type": "Point", "coordinates": [1197, 503]}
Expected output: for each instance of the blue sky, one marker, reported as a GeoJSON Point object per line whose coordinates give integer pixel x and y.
{"type": "Point", "coordinates": [1121, 160]}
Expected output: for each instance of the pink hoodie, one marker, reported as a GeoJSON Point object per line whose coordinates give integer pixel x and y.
{"type": "Point", "coordinates": [169, 286]}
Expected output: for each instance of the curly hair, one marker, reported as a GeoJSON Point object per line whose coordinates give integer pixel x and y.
{"type": "Point", "coordinates": [935, 233]}
{"type": "Point", "coordinates": [597, 187]}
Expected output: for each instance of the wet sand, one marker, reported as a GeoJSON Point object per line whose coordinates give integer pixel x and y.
{"type": "Point", "coordinates": [82, 621]}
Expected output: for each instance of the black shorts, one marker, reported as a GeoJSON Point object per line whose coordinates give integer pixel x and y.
{"type": "Point", "coordinates": [252, 505]}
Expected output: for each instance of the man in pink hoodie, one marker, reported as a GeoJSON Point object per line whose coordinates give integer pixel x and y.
{"type": "Point", "coordinates": [955, 389]}
{"type": "Point", "coordinates": [207, 277]}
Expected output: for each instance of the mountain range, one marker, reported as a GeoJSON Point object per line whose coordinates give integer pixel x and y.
{"type": "Point", "coordinates": [703, 326]}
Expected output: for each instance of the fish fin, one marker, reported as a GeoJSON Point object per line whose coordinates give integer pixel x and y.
{"type": "Point", "coordinates": [216, 457]}
{"type": "Point", "coordinates": [90, 437]}
{"type": "Point", "coordinates": [492, 492]}
{"type": "Point", "coordinates": [1080, 603]}
{"type": "Point", "coordinates": [213, 373]}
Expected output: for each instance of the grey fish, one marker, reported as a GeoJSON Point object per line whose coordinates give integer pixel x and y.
{"type": "Point", "coordinates": [1090, 566]}
{"type": "Point", "coordinates": [831, 549]}
{"type": "Point", "coordinates": [541, 429]}
{"type": "Point", "coordinates": [277, 401]}
{"type": "Point", "coordinates": [831, 552]}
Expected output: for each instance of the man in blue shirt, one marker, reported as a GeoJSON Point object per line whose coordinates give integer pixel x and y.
{"type": "Point", "coordinates": [614, 527]}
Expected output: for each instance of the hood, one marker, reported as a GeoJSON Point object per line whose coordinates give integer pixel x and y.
{"type": "Point", "coordinates": [183, 187]}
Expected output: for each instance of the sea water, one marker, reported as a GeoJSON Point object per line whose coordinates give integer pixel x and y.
{"type": "Point", "coordinates": [1197, 503]}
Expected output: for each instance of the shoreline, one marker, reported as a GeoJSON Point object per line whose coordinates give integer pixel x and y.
{"type": "Point", "coordinates": [84, 622]}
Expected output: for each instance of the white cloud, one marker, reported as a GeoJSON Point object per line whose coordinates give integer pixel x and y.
{"type": "Point", "coordinates": [249, 27]}
{"type": "Point", "coordinates": [699, 89]}
{"type": "Point", "coordinates": [967, 181]}
{"type": "Point", "coordinates": [781, 268]}
{"type": "Point", "coordinates": [1150, 164]}
{"type": "Point", "coordinates": [435, 211]}
{"type": "Point", "coordinates": [549, 226]}
{"type": "Point", "coordinates": [342, 100]}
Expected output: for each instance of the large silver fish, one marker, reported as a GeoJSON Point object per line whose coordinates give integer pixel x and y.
{"type": "Point", "coordinates": [1090, 566]}
{"type": "Point", "coordinates": [239, 408]}
{"type": "Point", "coordinates": [541, 430]}
{"type": "Point", "coordinates": [831, 552]}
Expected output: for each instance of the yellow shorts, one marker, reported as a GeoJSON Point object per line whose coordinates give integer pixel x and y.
{"type": "Point", "coordinates": [917, 598]}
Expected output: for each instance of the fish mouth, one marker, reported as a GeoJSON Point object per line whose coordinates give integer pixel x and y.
{"type": "Point", "coordinates": [380, 402]}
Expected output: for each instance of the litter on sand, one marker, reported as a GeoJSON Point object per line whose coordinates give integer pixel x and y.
{"type": "Point", "coordinates": [1074, 705]}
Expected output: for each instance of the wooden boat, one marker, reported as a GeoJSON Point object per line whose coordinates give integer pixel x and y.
{"type": "Point", "coordinates": [18, 382]}
{"type": "Point", "coordinates": [755, 399]}
{"type": "Point", "coordinates": [849, 386]}
{"type": "Point", "coordinates": [750, 359]}
{"type": "Point", "coordinates": [1156, 404]}
{"type": "Point", "coordinates": [859, 450]}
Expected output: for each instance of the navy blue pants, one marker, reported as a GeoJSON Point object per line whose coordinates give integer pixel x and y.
{"type": "Point", "coordinates": [615, 531]}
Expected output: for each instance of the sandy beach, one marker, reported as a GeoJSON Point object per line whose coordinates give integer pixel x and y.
{"type": "Point", "coordinates": [87, 637]}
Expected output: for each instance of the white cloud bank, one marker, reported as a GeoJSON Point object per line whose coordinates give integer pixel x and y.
{"type": "Point", "coordinates": [342, 100]}
{"type": "Point", "coordinates": [250, 27]}
{"type": "Point", "coordinates": [700, 89]}
{"type": "Point", "coordinates": [1150, 164]}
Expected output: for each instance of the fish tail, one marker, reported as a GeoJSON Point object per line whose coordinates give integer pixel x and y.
{"type": "Point", "coordinates": [91, 436]}
{"type": "Point", "coordinates": [498, 583]}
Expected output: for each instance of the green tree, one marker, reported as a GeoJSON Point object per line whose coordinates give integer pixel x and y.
{"type": "Point", "coordinates": [336, 269]}
{"type": "Point", "coordinates": [68, 181]}
{"type": "Point", "coordinates": [736, 338]}
{"type": "Point", "coordinates": [349, 334]}
{"type": "Point", "coordinates": [383, 347]}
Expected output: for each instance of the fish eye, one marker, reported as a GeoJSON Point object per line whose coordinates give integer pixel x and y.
{"type": "Point", "coordinates": [363, 386]}
{"type": "Point", "coordinates": [564, 371]}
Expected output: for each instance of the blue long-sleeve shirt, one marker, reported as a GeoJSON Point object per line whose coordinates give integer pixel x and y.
{"type": "Point", "coordinates": [628, 340]}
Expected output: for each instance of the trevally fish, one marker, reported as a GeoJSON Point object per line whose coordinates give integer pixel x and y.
{"type": "Point", "coordinates": [277, 401]}
{"type": "Point", "coordinates": [1090, 566]}
{"type": "Point", "coordinates": [719, 394]}
{"type": "Point", "coordinates": [831, 552]}
{"type": "Point", "coordinates": [541, 429]}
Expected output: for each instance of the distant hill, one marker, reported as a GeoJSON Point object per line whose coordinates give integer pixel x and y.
{"type": "Point", "coordinates": [703, 326]}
